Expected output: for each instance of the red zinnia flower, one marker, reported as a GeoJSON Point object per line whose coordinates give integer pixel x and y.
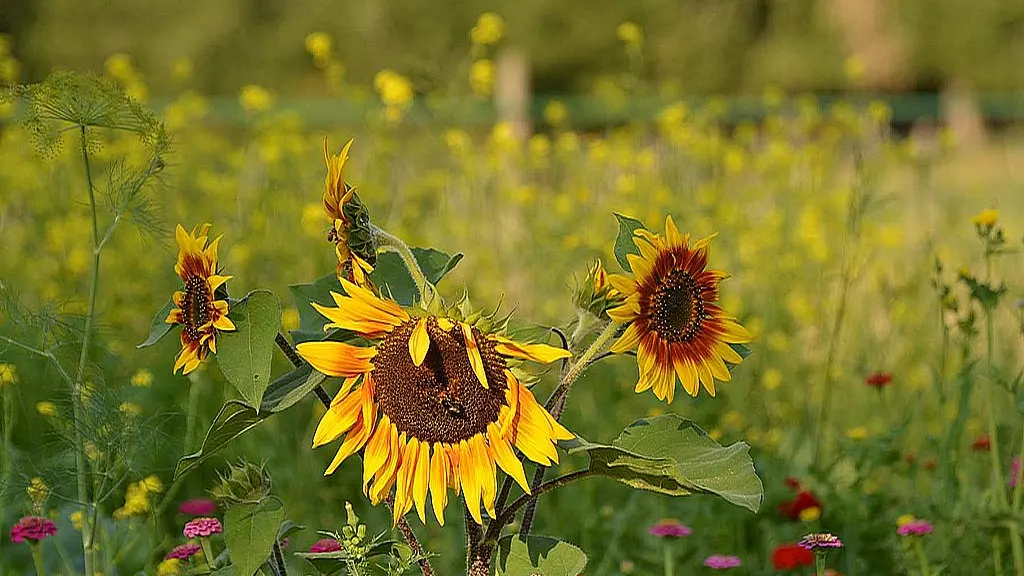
{"type": "Point", "coordinates": [325, 545]}
{"type": "Point", "coordinates": [198, 507]}
{"type": "Point", "coordinates": [982, 444]}
{"type": "Point", "coordinates": [804, 499]}
{"type": "Point", "coordinates": [878, 379]}
{"type": "Point", "coordinates": [792, 483]}
{"type": "Point", "coordinates": [791, 557]}
{"type": "Point", "coordinates": [35, 528]}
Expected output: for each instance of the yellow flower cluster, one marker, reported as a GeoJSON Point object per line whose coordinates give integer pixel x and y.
{"type": "Point", "coordinates": [489, 29]}
{"type": "Point", "coordinates": [395, 93]}
{"type": "Point", "coordinates": [8, 374]}
{"type": "Point", "coordinates": [142, 379]}
{"type": "Point", "coordinates": [137, 499]}
{"type": "Point", "coordinates": [481, 77]}
{"type": "Point", "coordinates": [38, 492]}
{"type": "Point", "coordinates": [120, 67]}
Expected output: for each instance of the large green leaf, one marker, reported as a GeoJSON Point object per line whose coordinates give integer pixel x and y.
{"type": "Point", "coordinates": [233, 420]}
{"type": "Point", "coordinates": [250, 531]}
{"type": "Point", "coordinates": [624, 240]}
{"type": "Point", "coordinates": [237, 418]}
{"type": "Point", "coordinates": [311, 322]}
{"type": "Point", "coordinates": [244, 354]}
{"type": "Point", "coordinates": [672, 455]}
{"type": "Point", "coordinates": [159, 328]}
{"type": "Point", "coordinates": [540, 556]}
{"type": "Point", "coordinates": [392, 277]}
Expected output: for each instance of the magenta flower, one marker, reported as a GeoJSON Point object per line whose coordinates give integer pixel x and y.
{"type": "Point", "coordinates": [669, 529]}
{"type": "Point", "coordinates": [197, 507]}
{"type": "Point", "coordinates": [325, 545]}
{"type": "Point", "coordinates": [202, 528]}
{"type": "Point", "coordinates": [1014, 472]}
{"type": "Point", "coordinates": [720, 562]}
{"type": "Point", "coordinates": [34, 528]}
{"type": "Point", "coordinates": [916, 528]}
{"type": "Point", "coordinates": [816, 541]}
{"type": "Point", "coordinates": [183, 552]}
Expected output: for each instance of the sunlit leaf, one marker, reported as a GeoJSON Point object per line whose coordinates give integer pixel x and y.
{"type": "Point", "coordinates": [159, 328]}
{"type": "Point", "coordinates": [391, 275]}
{"type": "Point", "coordinates": [250, 531]}
{"type": "Point", "coordinates": [672, 455]}
{"type": "Point", "coordinates": [538, 556]}
{"type": "Point", "coordinates": [244, 354]}
{"type": "Point", "coordinates": [233, 420]}
{"type": "Point", "coordinates": [624, 240]}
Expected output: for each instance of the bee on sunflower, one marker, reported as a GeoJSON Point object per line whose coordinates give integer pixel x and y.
{"type": "Point", "coordinates": [672, 317]}
{"type": "Point", "coordinates": [202, 307]}
{"type": "Point", "coordinates": [434, 403]}
{"type": "Point", "coordinates": [349, 218]}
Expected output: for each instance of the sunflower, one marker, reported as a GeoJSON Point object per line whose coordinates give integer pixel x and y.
{"type": "Point", "coordinates": [197, 308]}
{"type": "Point", "coordinates": [434, 403]}
{"type": "Point", "coordinates": [672, 317]}
{"type": "Point", "coordinates": [347, 216]}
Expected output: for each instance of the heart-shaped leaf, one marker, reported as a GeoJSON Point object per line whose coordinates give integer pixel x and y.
{"type": "Point", "coordinates": [311, 322]}
{"type": "Point", "coordinates": [159, 328]}
{"type": "Point", "coordinates": [391, 275]}
{"type": "Point", "coordinates": [250, 531]}
{"type": "Point", "coordinates": [624, 240]}
{"type": "Point", "coordinates": [672, 455]}
{"type": "Point", "coordinates": [233, 420]}
{"type": "Point", "coordinates": [538, 556]}
{"type": "Point", "coordinates": [244, 354]}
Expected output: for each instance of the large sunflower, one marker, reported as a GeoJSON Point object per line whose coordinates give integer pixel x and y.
{"type": "Point", "coordinates": [674, 323]}
{"type": "Point", "coordinates": [434, 402]}
{"type": "Point", "coordinates": [198, 311]}
{"type": "Point", "coordinates": [345, 211]}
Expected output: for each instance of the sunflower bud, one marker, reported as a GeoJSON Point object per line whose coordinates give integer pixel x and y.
{"type": "Point", "coordinates": [244, 483]}
{"type": "Point", "coordinates": [595, 294]}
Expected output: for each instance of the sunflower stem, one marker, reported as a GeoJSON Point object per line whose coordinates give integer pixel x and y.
{"type": "Point", "coordinates": [410, 538]}
{"type": "Point", "coordinates": [81, 470]}
{"type": "Point", "coordinates": [507, 514]}
{"type": "Point", "coordinates": [389, 241]}
{"type": "Point", "coordinates": [596, 348]}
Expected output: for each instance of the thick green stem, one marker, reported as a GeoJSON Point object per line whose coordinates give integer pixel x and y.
{"type": "Point", "coordinates": [37, 558]}
{"type": "Point", "coordinates": [207, 552]}
{"type": "Point", "coordinates": [922, 559]}
{"type": "Point", "coordinates": [81, 470]}
{"type": "Point", "coordinates": [391, 242]}
{"type": "Point", "coordinates": [819, 564]}
{"type": "Point", "coordinates": [596, 348]}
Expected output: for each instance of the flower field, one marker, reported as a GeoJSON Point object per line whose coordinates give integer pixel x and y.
{"type": "Point", "coordinates": [874, 277]}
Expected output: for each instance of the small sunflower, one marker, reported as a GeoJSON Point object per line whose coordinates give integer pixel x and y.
{"type": "Point", "coordinates": [673, 319]}
{"type": "Point", "coordinates": [197, 308]}
{"type": "Point", "coordinates": [434, 404]}
{"type": "Point", "coordinates": [348, 218]}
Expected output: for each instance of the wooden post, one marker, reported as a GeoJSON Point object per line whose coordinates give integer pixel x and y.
{"type": "Point", "coordinates": [512, 91]}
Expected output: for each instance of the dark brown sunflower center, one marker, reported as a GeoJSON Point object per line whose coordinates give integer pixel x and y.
{"type": "Point", "coordinates": [677, 307]}
{"type": "Point", "coordinates": [440, 400]}
{"type": "Point", "coordinates": [196, 307]}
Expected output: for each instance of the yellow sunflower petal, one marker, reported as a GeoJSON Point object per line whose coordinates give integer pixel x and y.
{"type": "Point", "coordinates": [727, 353]}
{"type": "Point", "coordinates": [541, 353]}
{"type": "Point", "coordinates": [624, 284]}
{"type": "Point", "coordinates": [377, 450]}
{"type": "Point", "coordinates": [339, 418]}
{"type": "Point", "coordinates": [439, 481]}
{"type": "Point", "coordinates": [471, 486]}
{"type": "Point", "coordinates": [216, 281]}
{"type": "Point", "coordinates": [421, 482]}
{"type": "Point", "coordinates": [473, 351]}
{"type": "Point", "coordinates": [419, 342]}
{"type": "Point", "coordinates": [337, 358]}
{"type": "Point", "coordinates": [672, 235]}
{"type": "Point", "coordinates": [486, 472]}
{"type": "Point", "coordinates": [505, 457]}
{"type": "Point", "coordinates": [388, 474]}
{"type": "Point", "coordinates": [641, 268]}
{"type": "Point", "coordinates": [361, 294]}
{"type": "Point", "coordinates": [406, 473]}
{"type": "Point", "coordinates": [355, 440]}
{"type": "Point", "coordinates": [629, 339]}
{"type": "Point", "coordinates": [224, 323]}
{"type": "Point", "coordinates": [687, 375]}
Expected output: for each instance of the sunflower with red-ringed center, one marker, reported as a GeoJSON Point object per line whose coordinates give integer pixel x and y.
{"type": "Point", "coordinates": [672, 317]}
{"type": "Point", "coordinates": [197, 308]}
{"type": "Point", "coordinates": [343, 208]}
{"type": "Point", "coordinates": [433, 404]}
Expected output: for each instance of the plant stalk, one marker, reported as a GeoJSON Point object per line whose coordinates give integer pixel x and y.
{"type": "Point", "coordinates": [922, 559]}
{"type": "Point", "coordinates": [668, 557]}
{"type": "Point", "coordinates": [389, 241]}
{"type": "Point", "coordinates": [37, 558]}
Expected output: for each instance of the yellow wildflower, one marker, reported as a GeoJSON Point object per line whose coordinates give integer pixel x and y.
{"type": "Point", "coordinates": [904, 519]}
{"type": "Point", "coordinates": [488, 30]}
{"type": "Point", "coordinates": [555, 113]}
{"type": "Point", "coordinates": [8, 374]}
{"type": "Point", "coordinates": [255, 98]}
{"type": "Point", "coordinates": [46, 408]}
{"type": "Point", "coordinates": [182, 69]}
{"type": "Point", "coordinates": [38, 492]}
{"type": "Point", "coordinates": [142, 379]}
{"type": "Point", "coordinates": [481, 77]}
{"type": "Point", "coordinates": [810, 514]}
{"type": "Point", "coordinates": [170, 567]}
{"type": "Point", "coordinates": [290, 318]}
{"type": "Point", "coordinates": [153, 484]}
{"type": "Point", "coordinates": [130, 409]}
{"type": "Point", "coordinates": [319, 44]}
{"type": "Point", "coordinates": [630, 34]}
{"type": "Point", "coordinates": [854, 68]}
{"type": "Point", "coordinates": [394, 89]}
{"type": "Point", "coordinates": [771, 379]}
{"type": "Point", "coordinates": [76, 520]}
{"type": "Point", "coordinates": [986, 218]}
{"type": "Point", "coordinates": [857, 433]}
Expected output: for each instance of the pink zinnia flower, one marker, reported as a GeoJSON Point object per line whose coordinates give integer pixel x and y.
{"type": "Point", "coordinates": [916, 528]}
{"type": "Point", "coordinates": [197, 507]}
{"type": "Point", "coordinates": [325, 545]}
{"type": "Point", "coordinates": [719, 562]}
{"type": "Point", "coordinates": [183, 552]}
{"type": "Point", "coordinates": [34, 528]}
{"type": "Point", "coordinates": [820, 540]}
{"type": "Point", "coordinates": [202, 528]}
{"type": "Point", "coordinates": [669, 529]}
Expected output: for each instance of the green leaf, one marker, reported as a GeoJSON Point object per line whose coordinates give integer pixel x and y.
{"type": "Point", "coordinates": [250, 531]}
{"type": "Point", "coordinates": [740, 349]}
{"type": "Point", "coordinates": [538, 555]}
{"type": "Point", "coordinates": [391, 275]}
{"type": "Point", "coordinates": [332, 562]}
{"type": "Point", "coordinates": [671, 455]}
{"type": "Point", "coordinates": [287, 529]}
{"type": "Point", "coordinates": [234, 419]}
{"type": "Point", "coordinates": [244, 355]}
{"type": "Point", "coordinates": [287, 390]}
{"type": "Point", "coordinates": [624, 241]}
{"type": "Point", "coordinates": [159, 328]}
{"type": "Point", "coordinates": [311, 322]}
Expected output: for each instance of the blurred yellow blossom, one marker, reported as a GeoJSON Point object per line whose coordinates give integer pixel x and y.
{"type": "Point", "coordinates": [319, 45]}
{"type": "Point", "coordinates": [457, 141]}
{"type": "Point", "coordinates": [715, 434]}
{"type": "Point", "coordinates": [182, 69]}
{"type": "Point", "coordinates": [92, 452]}
{"type": "Point", "coordinates": [555, 113]}
{"type": "Point", "coordinates": [854, 68]}
{"type": "Point", "coordinates": [630, 34]}
{"type": "Point", "coordinates": [255, 98]}
{"type": "Point", "coordinates": [481, 77]}
{"type": "Point", "coordinates": [170, 567]}
{"type": "Point", "coordinates": [46, 408]}
{"type": "Point", "coordinates": [771, 379]}
{"type": "Point", "coordinates": [987, 217]}
{"type": "Point", "coordinates": [119, 66]}
{"type": "Point", "coordinates": [290, 318]}
{"type": "Point", "coordinates": [857, 433]}
{"type": "Point", "coordinates": [38, 492]}
{"type": "Point", "coordinates": [137, 498]}
{"type": "Point", "coordinates": [811, 514]}
{"type": "Point", "coordinates": [142, 379]}
{"type": "Point", "coordinates": [76, 520]}
{"type": "Point", "coordinates": [130, 409]}
{"type": "Point", "coordinates": [395, 93]}
{"type": "Point", "coordinates": [732, 420]}
{"type": "Point", "coordinates": [153, 484]}
{"type": "Point", "coordinates": [8, 374]}
{"type": "Point", "coordinates": [488, 30]}
{"type": "Point", "coordinates": [904, 519]}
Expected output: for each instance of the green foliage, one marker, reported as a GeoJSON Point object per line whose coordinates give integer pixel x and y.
{"type": "Point", "coordinates": [393, 278]}
{"type": "Point", "coordinates": [538, 555]}
{"type": "Point", "coordinates": [671, 455]}
{"type": "Point", "coordinates": [234, 419]}
{"type": "Point", "coordinates": [250, 531]}
{"type": "Point", "coordinates": [624, 240]}
{"type": "Point", "coordinates": [244, 354]}
{"type": "Point", "coordinates": [160, 328]}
